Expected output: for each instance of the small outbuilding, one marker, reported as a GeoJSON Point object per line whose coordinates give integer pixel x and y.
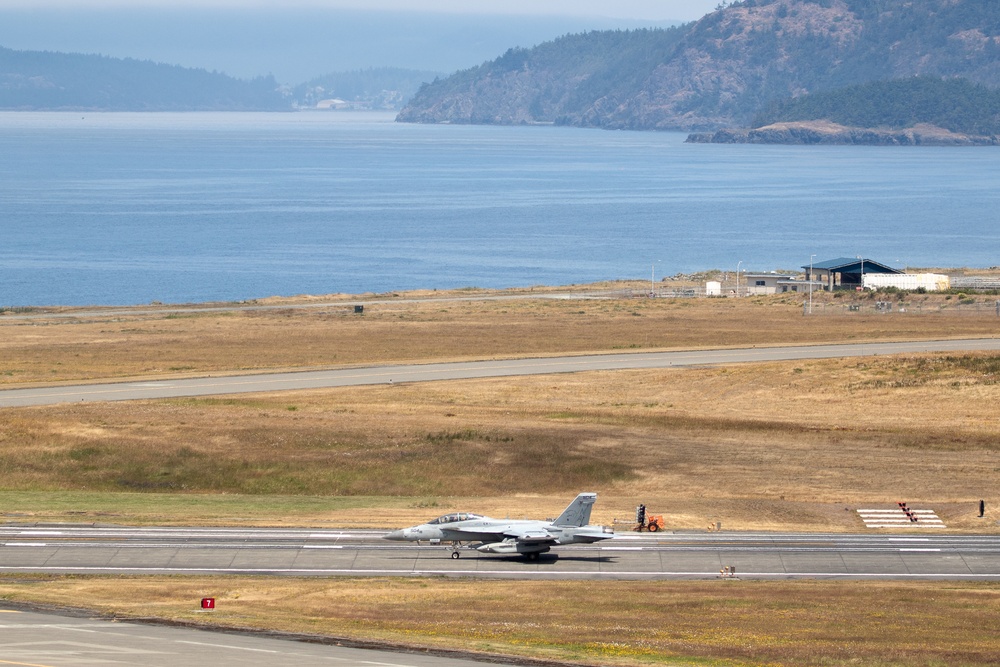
{"type": "Point", "coordinates": [845, 272]}
{"type": "Point", "coordinates": [764, 283]}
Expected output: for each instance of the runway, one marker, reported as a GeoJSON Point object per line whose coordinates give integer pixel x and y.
{"type": "Point", "coordinates": [346, 377]}
{"type": "Point", "coordinates": [630, 556]}
{"type": "Point", "coordinates": [47, 640]}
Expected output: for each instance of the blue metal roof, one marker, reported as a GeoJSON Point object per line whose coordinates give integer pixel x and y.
{"type": "Point", "coordinates": [852, 265]}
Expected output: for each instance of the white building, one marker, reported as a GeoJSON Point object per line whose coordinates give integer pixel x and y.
{"type": "Point", "coordinates": [770, 283]}
{"type": "Point", "coordinates": [931, 282]}
{"type": "Point", "coordinates": [333, 103]}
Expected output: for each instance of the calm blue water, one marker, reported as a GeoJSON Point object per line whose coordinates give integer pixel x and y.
{"type": "Point", "coordinates": [131, 208]}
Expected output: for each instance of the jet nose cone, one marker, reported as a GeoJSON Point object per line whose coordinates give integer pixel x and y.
{"type": "Point", "coordinates": [396, 535]}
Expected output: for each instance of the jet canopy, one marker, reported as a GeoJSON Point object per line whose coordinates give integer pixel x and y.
{"type": "Point", "coordinates": [452, 518]}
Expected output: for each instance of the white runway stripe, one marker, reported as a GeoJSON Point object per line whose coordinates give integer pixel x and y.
{"type": "Point", "coordinates": [897, 518]}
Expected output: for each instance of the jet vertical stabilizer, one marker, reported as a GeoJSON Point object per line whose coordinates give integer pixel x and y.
{"type": "Point", "coordinates": [578, 512]}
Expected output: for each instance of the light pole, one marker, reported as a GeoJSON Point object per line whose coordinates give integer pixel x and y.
{"type": "Point", "coordinates": [652, 278]}
{"type": "Point", "coordinates": [811, 258]}
{"type": "Point", "coordinates": [738, 278]}
{"type": "Point", "coordinates": [862, 272]}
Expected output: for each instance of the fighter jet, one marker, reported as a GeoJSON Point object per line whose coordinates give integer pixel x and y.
{"type": "Point", "coordinates": [505, 536]}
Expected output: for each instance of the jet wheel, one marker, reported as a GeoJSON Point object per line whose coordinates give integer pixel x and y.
{"type": "Point", "coordinates": [455, 554]}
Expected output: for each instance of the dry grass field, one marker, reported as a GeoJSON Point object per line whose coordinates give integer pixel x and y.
{"type": "Point", "coordinates": [786, 445]}
{"type": "Point", "coordinates": [715, 623]}
{"type": "Point", "coordinates": [67, 345]}
{"type": "Point", "coordinates": [783, 446]}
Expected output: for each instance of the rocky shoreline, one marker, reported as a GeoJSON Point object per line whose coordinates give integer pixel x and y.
{"type": "Point", "coordinates": [827, 133]}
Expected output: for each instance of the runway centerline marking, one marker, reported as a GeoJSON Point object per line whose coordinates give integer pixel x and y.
{"type": "Point", "coordinates": [235, 648]}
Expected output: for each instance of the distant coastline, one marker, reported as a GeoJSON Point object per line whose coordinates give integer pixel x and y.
{"type": "Point", "coordinates": [825, 132]}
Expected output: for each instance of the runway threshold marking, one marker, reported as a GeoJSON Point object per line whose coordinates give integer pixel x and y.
{"type": "Point", "coordinates": [897, 518]}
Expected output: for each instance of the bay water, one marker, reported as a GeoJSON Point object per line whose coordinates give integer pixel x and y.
{"type": "Point", "coordinates": [130, 208]}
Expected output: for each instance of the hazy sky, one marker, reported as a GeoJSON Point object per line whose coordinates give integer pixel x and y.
{"type": "Point", "coordinates": [296, 40]}
{"type": "Point", "coordinates": [653, 10]}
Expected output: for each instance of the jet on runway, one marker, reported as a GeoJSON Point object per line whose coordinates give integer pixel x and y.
{"type": "Point", "coordinates": [504, 536]}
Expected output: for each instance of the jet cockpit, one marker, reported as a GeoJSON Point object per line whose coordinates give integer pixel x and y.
{"type": "Point", "coordinates": [452, 518]}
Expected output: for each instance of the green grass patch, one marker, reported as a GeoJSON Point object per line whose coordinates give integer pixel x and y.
{"type": "Point", "coordinates": [180, 508]}
{"type": "Point", "coordinates": [277, 455]}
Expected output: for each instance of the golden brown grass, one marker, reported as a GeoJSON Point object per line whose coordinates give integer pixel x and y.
{"type": "Point", "coordinates": [147, 344]}
{"type": "Point", "coordinates": [724, 623]}
{"type": "Point", "coordinates": [786, 445]}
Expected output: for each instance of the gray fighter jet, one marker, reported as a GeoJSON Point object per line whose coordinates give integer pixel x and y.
{"type": "Point", "coordinates": [505, 536]}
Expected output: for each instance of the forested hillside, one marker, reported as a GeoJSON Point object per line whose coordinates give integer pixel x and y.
{"type": "Point", "coordinates": [953, 104]}
{"type": "Point", "coordinates": [44, 80]}
{"type": "Point", "coordinates": [723, 69]}
{"type": "Point", "coordinates": [544, 83]}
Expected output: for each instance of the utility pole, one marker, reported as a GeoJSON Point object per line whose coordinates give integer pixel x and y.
{"type": "Point", "coordinates": [811, 258]}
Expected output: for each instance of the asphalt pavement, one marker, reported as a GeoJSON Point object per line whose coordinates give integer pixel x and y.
{"type": "Point", "coordinates": [34, 639]}
{"type": "Point", "coordinates": [879, 554]}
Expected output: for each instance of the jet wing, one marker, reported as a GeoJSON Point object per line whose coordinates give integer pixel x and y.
{"type": "Point", "coordinates": [522, 534]}
{"type": "Point", "coordinates": [532, 537]}
{"type": "Point", "coordinates": [485, 533]}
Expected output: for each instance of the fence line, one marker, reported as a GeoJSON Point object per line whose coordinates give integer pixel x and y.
{"type": "Point", "coordinates": [978, 308]}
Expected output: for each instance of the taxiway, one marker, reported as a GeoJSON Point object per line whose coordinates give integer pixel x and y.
{"type": "Point", "coordinates": [347, 377]}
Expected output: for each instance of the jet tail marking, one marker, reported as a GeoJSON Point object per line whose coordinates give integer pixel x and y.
{"type": "Point", "coordinates": [578, 512]}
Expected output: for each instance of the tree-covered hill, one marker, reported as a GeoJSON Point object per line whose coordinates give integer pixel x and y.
{"type": "Point", "coordinates": [45, 80]}
{"type": "Point", "coordinates": [552, 82]}
{"type": "Point", "coordinates": [723, 69]}
{"type": "Point", "coordinates": [953, 104]}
